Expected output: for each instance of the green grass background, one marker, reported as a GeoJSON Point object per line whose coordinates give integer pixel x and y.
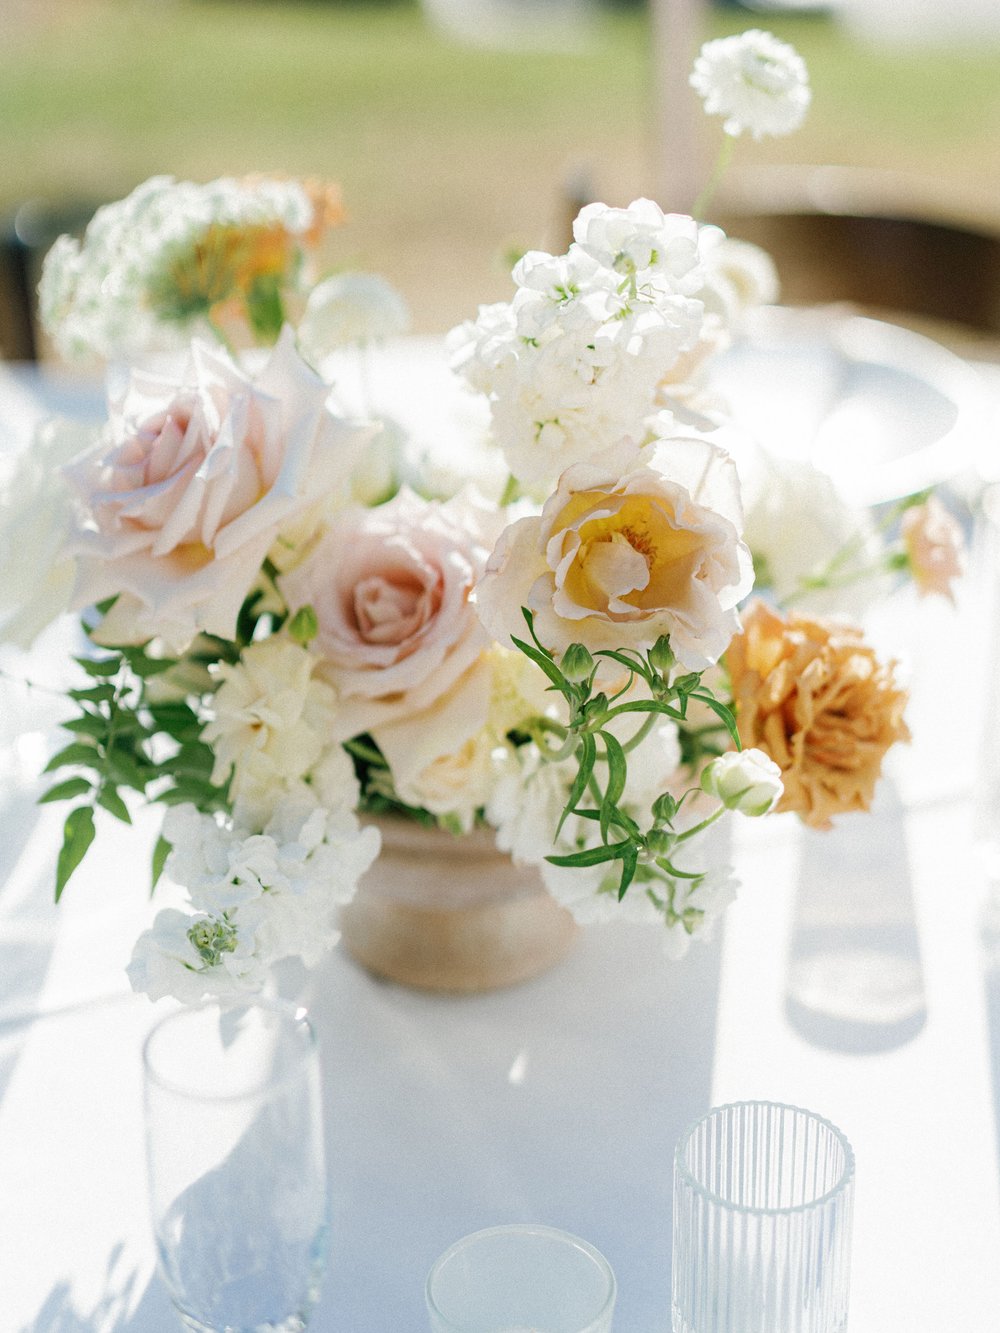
{"type": "Point", "coordinates": [448, 156]}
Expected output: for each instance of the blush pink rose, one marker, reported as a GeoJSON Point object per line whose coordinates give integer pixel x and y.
{"type": "Point", "coordinates": [391, 588]}
{"type": "Point", "coordinates": [191, 484]}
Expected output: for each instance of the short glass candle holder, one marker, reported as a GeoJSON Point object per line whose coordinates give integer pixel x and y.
{"type": "Point", "coordinates": [521, 1279]}
{"type": "Point", "coordinates": [763, 1197]}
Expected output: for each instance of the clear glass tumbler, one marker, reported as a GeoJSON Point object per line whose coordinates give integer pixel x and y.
{"type": "Point", "coordinates": [238, 1186]}
{"type": "Point", "coordinates": [521, 1279]}
{"type": "Point", "coordinates": [763, 1197]}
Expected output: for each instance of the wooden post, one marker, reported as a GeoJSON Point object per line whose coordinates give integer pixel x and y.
{"type": "Point", "coordinates": [678, 29]}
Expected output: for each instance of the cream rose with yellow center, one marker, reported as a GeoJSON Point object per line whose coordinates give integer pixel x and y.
{"type": "Point", "coordinates": [620, 556]}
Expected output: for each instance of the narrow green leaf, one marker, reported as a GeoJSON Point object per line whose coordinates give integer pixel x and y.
{"type": "Point", "coordinates": [160, 853]}
{"type": "Point", "coordinates": [617, 776]}
{"type": "Point", "coordinates": [619, 819]}
{"type": "Point", "coordinates": [592, 856]}
{"type": "Point", "coordinates": [722, 712]}
{"type": "Point", "coordinates": [546, 664]}
{"type": "Point", "coordinates": [193, 760]}
{"type": "Point", "coordinates": [587, 758]}
{"type": "Point", "coordinates": [129, 768]}
{"type": "Point", "coordinates": [366, 752]}
{"type": "Point", "coordinates": [648, 706]}
{"type": "Point", "coordinates": [265, 308]}
{"type": "Point", "coordinates": [188, 791]}
{"type": "Point", "coordinates": [78, 834]}
{"type": "Point", "coordinates": [87, 724]}
{"type": "Point", "coordinates": [672, 870]}
{"type": "Point", "coordinates": [145, 666]}
{"type": "Point", "coordinates": [530, 621]}
{"type": "Point", "coordinates": [110, 800]}
{"type": "Point", "coordinates": [65, 791]}
{"type": "Point", "coordinates": [99, 666]}
{"type": "Point", "coordinates": [629, 862]}
{"type": "Point", "coordinates": [177, 720]}
{"type": "Point", "coordinates": [98, 694]}
{"type": "Point", "coordinates": [78, 753]}
{"type": "Point", "coordinates": [636, 668]}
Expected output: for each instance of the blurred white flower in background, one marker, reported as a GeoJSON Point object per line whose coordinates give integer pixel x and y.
{"type": "Point", "coordinates": [760, 84]}
{"type": "Point", "coordinates": [351, 308]}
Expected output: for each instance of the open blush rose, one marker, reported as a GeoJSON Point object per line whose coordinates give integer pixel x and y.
{"type": "Point", "coordinates": [621, 555]}
{"type": "Point", "coordinates": [193, 481]}
{"type": "Point", "coordinates": [812, 694]}
{"type": "Point", "coordinates": [391, 588]}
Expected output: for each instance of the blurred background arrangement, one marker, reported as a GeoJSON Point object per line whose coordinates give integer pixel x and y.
{"type": "Point", "coordinates": [463, 132]}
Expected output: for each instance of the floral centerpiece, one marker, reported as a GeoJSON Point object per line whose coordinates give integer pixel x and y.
{"type": "Point", "coordinates": [291, 628]}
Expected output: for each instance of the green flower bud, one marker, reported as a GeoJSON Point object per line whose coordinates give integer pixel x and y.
{"type": "Point", "coordinates": [659, 842]}
{"type": "Point", "coordinates": [664, 808]}
{"type": "Point", "coordinates": [576, 663]}
{"type": "Point", "coordinates": [661, 655]}
{"type": "Point", "coordinates": [212, 939]}
{"type": "Point", "coordinates": [304, 625]}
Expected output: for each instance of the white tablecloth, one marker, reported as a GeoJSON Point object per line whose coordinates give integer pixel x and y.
{"type": "Point", "coordinates": [850, 979]}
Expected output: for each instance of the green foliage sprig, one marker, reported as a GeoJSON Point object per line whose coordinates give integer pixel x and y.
{"type": "Point", "coordinates": [138, 732]}
{"type": "Point", "coordinates": [646, 854]}
{"type": "Point", "coordinates": [127, 740]}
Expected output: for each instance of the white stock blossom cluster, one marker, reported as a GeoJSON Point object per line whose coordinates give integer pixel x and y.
{"type": "Point", "coordinates": [258, 894]}
{"type": "Point", "coordinates": [103, 296]}
{"type": "Point", "coordinates": [264, 883]}
{"type": "Point", "coordinates": [576, 361]}
{"type": "Point", "coordinates": [572, 363]}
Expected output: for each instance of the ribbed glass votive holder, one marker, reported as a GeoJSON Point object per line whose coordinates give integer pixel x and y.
{"type": "Point", "coordinates": [763, 1197]}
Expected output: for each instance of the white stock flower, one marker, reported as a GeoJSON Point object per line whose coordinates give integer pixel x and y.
{"type": "Point", "coordinates": [747, 781]}
{"type": "Point", "coordinates": [571, 365]}
{"type": "Point", "coordinates": [259, 895]}
{"type": "Point", "coordinates": [270, 715]}
{"type": "Point", "coordinates": [36, 518]}
{"type": "Point", "coordinates": [350, 308]}
{"type": "Point", "coordinates": [165, 961]}
{"type": "Point", "coordinates": [192, 483]}
{"type": "Point", "coordinates": [757, 82]}
{"type": "Point", "coordinates": [642, 241]}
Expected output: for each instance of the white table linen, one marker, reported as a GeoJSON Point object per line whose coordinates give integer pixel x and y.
{"type": "Point", "coordinates": [558, 1101]}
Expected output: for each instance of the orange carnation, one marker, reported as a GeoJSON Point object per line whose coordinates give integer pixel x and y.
{"type": "Point", "coordinates": [813, 695]}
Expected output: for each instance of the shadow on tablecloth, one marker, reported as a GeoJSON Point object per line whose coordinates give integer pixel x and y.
{"type": "Point", "coordinates": [855, 979]}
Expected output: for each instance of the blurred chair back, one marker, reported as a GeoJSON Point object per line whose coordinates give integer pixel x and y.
{"type": "Point", "coordinates": [878, 240]}
{"type": "Point", "coordinates": [26, 234]}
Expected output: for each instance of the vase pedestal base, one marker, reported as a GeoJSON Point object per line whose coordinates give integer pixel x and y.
{"type": "Point", "coordinates": [450, 913]}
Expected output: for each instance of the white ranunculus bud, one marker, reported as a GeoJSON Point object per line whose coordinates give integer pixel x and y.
{"type": "Point", "coordinates": [748, 781]}
{"type": "Point", "coordinates": [351, 308]}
